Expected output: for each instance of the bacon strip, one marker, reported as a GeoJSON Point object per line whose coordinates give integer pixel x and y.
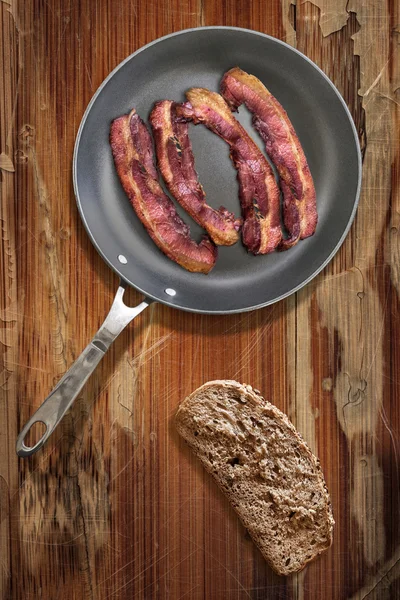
{"type": "Point", "coordinates": [282, 146]}
{"type": "Point", "coordinates": [176, 163]}
{"type": "Point", "coordinates": [133, 156]}
{"type": "Point", "coordinates": [258, 191]}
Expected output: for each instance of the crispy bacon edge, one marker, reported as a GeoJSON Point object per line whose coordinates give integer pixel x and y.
{"type": "Point", "coordinates": [284, 149]}
{"type": "Point", "coordinates": [176, 163]}
{"type": "Point", "coordinates": [258, 190]}
{"type": "Point", "coordinates": [132, 150]}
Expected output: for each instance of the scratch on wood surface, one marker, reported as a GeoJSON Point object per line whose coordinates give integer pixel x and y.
{"type": "Point", "coordinates": [103, 581]}
{"type": "Point", "coordinates": [54, 274]}
{"type": "Point", "coordinates": [13, 11]}
{"type": "Point", "coordinates": [298, 353]}
{"type": "Point", "coordinates": [10, 115]}
{"type": "Point", "coordinates": [189, 592]}
{"type": "Point", "coordinates": [89, 77]}
{"type": "Point", "coordinates": [82, 518]}
{"type": "Point", "coordinates": [246, 357]}
{"type": "Point", "coordinates": [11, 298]}
{"type": "Point", "coordinates": [372, 40]}
{"type": "Point", "coordinates": [148, 351]}
{"type": "Point", "coordinates": [288, 7]}
{"type": "Point", "coordinates": [393, 248]}
{"type": "Point", "coordinates": [395, 443]}
{"type": "Point", "coordinates": [297, 582]}
{"type": "Point", "coordinates": [201, 14]}
{"type": "Point", "coordinates": [165, 575]}
{"type": "Point", "coordinates": [6, 163]}
{"type": "Point", "coordinates": [378, 587]}
{"type": "Point", "coordinates": [9, 333]}
{"type": "Point", "coordinates": [358, 385]}
{"type": "Point", "coordinates": [372, 44]}
{"type": "Point", "coordinates": [129, 582]}
{"type": "Point", "coordinates": [4, 531]}
{"type": "Point", "coordinates": [246, 594]}
{"type": "Point", "coordinates": [358, 391]}
{"type": "Point", "coordinates": [95, 505]}
{"type": "Point", "coordinates": [126, 385]}
{"type": "Point", "coordinates": [367, 504]}
{"type": "Point", "coordinates": [333, 15]}
{"type": "Point", "coordinates": [395, 72]}
{"type": "Point", "coordinates": [377, 79]}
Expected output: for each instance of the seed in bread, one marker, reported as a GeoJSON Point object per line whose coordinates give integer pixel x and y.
{"type": "Point", "coordinates": [264, 467]}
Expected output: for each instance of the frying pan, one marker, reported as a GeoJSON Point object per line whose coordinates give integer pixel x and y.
{"type": "Point", "coordinates": [239, 282]}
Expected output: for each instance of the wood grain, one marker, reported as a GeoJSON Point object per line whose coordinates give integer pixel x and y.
{"type": "Point", "coordinates": [115, 506]}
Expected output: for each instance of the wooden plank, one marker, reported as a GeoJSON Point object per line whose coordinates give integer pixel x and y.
{"type": "Point", "coordinates": [115, 506]}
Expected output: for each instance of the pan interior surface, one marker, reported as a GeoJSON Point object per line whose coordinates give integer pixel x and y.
{"type": "Point", "coordinates": [166, 69]}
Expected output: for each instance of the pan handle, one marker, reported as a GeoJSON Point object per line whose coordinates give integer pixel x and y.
{"type": "Point", "coordinates": [67, 389]}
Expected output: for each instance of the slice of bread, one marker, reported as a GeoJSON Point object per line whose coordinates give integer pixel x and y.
{"type": "Point", "coordinates": [265, 468]}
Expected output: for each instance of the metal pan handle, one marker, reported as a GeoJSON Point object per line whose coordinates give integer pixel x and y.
{"type": "Point", "coordinates": [63, 395]}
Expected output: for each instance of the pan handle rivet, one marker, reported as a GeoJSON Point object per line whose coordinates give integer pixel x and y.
{"type": "Point", "coordinates": [170, 292]}
{"type": "Point", "coordinates": [122, 259]}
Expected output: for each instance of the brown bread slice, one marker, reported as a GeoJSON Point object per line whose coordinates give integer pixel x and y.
{"type": "Point", "coordinates": [264, 467]}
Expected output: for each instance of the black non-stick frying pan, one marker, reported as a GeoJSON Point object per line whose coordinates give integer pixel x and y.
{"type": "Point", "coordinates": [240, 281]}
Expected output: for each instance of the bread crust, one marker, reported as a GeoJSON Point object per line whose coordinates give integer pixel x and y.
{"type": "Point", "coordinates": [267, 490]}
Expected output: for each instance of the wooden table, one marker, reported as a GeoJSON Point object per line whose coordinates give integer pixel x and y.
{"type": "Point", "coordinates": [115, 506]}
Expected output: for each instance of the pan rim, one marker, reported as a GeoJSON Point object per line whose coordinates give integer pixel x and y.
{"type": "Point", "coordinates": [235, 310]}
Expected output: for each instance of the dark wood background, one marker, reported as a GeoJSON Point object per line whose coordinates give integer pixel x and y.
{"type": "Point", "coordinates": [115, 506]}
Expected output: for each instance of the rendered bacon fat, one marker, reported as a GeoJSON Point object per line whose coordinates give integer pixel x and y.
{"type": "Point", "coordinates": [133, 156]}
{"type": "Point", "coordinates": [258, 191]}
{"type": "Point", "coordinates": [176, 163]}
{"type": "Point", "coordinates": [282, 146]}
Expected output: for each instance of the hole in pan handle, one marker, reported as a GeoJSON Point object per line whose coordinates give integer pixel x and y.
{"type": "Point", "coordinates": [63, 395]}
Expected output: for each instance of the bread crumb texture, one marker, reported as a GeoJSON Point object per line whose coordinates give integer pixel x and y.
{"type": "Point", "coordinates": [265, 468]}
